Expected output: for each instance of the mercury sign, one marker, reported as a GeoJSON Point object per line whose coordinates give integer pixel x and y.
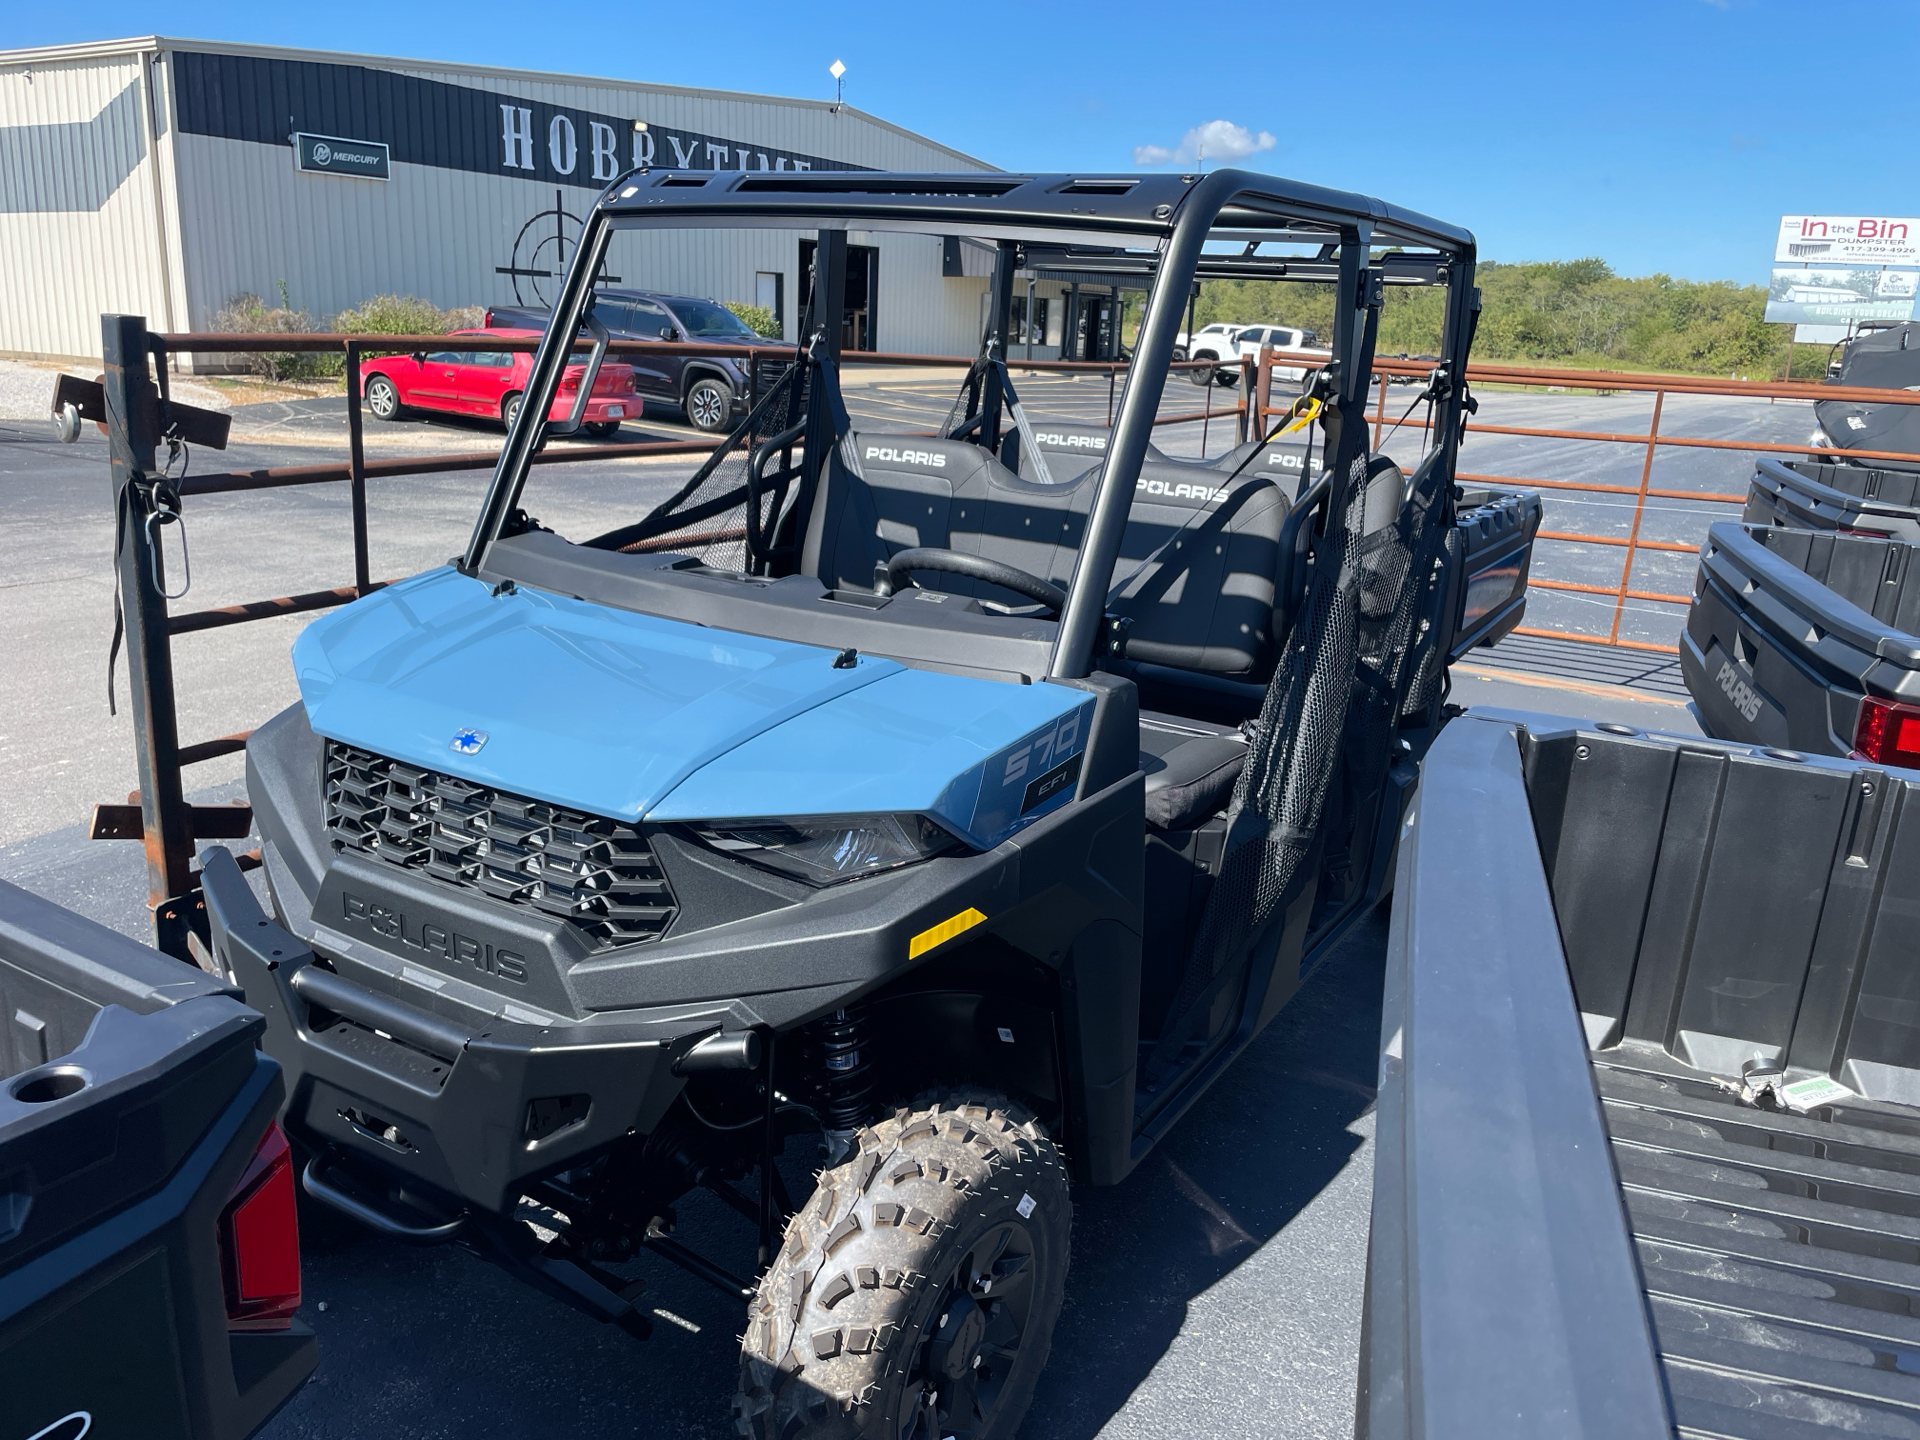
{"type": "Point", "coordinates": [1847, 240]}
{"type": "Point", "coordinates": [331, 155]}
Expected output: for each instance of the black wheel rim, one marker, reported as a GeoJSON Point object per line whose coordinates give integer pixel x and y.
{"type": "Point", "coordinates": [961, 1363]}
{"type": "Point", "coordinates": [706, 406]}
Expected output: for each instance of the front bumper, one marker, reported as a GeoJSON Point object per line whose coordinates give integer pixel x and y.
{"type": "Point", "coordinates": [473, 1117]}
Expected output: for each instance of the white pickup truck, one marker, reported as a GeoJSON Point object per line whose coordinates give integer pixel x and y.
{"type": "Point", "coordinates": [1230, 343]}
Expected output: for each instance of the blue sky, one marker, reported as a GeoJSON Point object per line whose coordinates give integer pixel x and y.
{"type": "Point", "coordinates": [1661, 135]}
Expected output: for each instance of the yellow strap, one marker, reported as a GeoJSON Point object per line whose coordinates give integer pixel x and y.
{"type": "Point", "coordinates": [1306, 409]}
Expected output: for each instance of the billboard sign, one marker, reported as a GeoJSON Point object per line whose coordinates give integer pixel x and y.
{"type": "Point", "coordinates": [1847, 240]}
{"type": "Point", "coordinates": [331, 155]}
{"type": "Point", "coordinates": [1802, 296]}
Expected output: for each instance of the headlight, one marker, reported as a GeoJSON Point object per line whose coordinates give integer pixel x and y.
{"type": "Point", "coordinates": [826, 849]}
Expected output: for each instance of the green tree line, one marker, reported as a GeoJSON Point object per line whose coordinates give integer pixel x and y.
{"type": "Point", "coordinates": [1571, 313]}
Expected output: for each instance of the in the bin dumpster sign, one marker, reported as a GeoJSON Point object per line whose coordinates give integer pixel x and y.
{"type": "Point", "coordinates": [334, 155]}
{"type": "Point", "coordinates": [1847, 240]}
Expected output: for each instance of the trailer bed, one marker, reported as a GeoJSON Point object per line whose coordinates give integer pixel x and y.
{"type": "Point", "coordinates": [1780, 1253]}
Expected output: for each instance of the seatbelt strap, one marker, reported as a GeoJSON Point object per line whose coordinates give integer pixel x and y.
{"type": "Point", "coordinates": [1041, 472]}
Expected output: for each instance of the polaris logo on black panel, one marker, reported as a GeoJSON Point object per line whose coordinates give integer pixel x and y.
{"type": "Point", "coordinates": [888, 455]}
{"type": "Point", "coordinates": [1744, 697]}
{"type": "Point", "coordinates": [434, 941]}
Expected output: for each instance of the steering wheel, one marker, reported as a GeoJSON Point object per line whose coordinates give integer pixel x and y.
{"type": "Point", "coordinates": [974, 567]}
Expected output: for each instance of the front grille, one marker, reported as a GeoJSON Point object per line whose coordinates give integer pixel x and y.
{"type": "Point", "coordinates": [595, 873]}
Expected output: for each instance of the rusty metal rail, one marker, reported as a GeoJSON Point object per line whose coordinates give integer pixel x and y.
{"type": "Point", "coordinates": [1652, 440]}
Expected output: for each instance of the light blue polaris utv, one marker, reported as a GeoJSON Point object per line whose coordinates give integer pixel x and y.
{"type": "Point", "coordinates": [943, 798]}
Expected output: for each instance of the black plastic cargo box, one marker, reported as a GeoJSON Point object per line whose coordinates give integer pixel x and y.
{"type": "Point", "coordinates": [1648, 1136]}
{"type": "Point", "coordinates": [1490, 555]}
{"type": "Point", "coordinates": [138, 1209]}
{"type": "Point", "coordinates": [1790, 629]}
{"type": "Point", "coordinates": [1812, 495]}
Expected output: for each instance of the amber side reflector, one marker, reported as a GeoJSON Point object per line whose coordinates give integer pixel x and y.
{"type": "Point", "coordinates": [943, 932]}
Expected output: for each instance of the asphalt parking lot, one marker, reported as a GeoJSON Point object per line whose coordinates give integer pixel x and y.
{"type": "Point", "coordinates": [1216, 1291]}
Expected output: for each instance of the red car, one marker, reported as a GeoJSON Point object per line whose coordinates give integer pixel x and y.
{"type": "Point", "coordinates": [490, 383]}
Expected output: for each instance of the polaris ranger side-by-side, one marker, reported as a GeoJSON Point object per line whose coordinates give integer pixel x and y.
{"type": "Point", "coordinates": [962, 821]}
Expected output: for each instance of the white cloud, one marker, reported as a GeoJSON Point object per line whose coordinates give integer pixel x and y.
{"type": "Point", "coordinates": [1219, 141]}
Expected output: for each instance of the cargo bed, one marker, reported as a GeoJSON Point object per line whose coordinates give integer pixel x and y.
{"type": "Point", "coordinates": [1814, 495]}
{"type": "Point", "coordinates": [1594, 1213]}
{"type": "Point", "coordinates": [1790, 629]}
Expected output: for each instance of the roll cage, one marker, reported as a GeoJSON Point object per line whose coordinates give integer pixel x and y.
{"type": "Point", "coordinates": [1174, 229]}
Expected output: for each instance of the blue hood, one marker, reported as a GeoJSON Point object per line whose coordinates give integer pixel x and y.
{"type": "Point", "coordinates": [614, 713]}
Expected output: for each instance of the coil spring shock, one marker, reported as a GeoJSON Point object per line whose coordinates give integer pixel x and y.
{"type": "Point", "coordinates": [843, 1071]}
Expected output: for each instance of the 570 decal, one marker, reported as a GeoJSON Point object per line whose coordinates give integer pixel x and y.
{"type": "Point", "coordinates": [1033, 758]}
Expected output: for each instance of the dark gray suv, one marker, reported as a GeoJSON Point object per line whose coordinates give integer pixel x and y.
{"type": "Point", "coordinates": [711, 390]}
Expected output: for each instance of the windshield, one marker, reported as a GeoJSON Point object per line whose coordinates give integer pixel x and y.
{"type": "Point", "coordinates": [708, 320]}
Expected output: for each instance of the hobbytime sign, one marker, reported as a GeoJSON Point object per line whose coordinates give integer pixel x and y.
{"type": "Point", "coordinates": [440, 126]}
{"type": "Point", "coordinates": [592, 149]}
{"type": "Point", "coordinates": [331, 155]}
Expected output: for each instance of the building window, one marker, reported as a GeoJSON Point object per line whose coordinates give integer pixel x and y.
{"type": "Point", "coordinates": [769, 288]}
{"type": "Point", "coordinates": [1019, 332]}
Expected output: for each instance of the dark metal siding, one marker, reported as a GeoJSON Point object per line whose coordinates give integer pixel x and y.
{"type": "Point", "coordinates": [425, 122]}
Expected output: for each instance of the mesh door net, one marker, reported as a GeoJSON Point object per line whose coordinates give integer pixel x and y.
{"type": "Point", "coordinates": [1334, 695]}
{"type": "Point", "coordinates": [1277, 803]}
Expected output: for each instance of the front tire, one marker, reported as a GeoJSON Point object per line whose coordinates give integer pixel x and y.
{"type": "Point", "coordinates": [709, 405]}
{"type": "Point", "coordinates": [1202, 378]}
{"type": "Point", "coordinates": [383, 398]}
{"type": "Point", "coordinates": [916, 1293]}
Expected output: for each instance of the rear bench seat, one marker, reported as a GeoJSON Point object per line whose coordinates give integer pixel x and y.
{"type": "Point", "coordinates": [1072, 450]}
{"type": "Point", "coordinates": [1197, 560]}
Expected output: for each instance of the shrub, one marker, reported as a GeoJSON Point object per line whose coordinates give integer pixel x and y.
{"type": "Point", "coordinates": [756, 318]}
{"type": "Point", "coordinates": [250, 315]}
{"type": "Point", "coordinates": [406, 315]}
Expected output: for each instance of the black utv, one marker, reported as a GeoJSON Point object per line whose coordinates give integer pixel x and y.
{"type": "Point", "coordinates": [956, 823]}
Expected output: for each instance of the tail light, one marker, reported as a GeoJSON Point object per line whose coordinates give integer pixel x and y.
{"type": "Point", "coordinates": [260, 1240]}
{"type": "Point", "coordinates": [1887, 733]}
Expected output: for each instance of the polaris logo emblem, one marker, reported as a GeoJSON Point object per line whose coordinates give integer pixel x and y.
{"type": "Point", "coordinates": [435, 941]}
{"type": "Point", "coordinates": [1281, 460]}
{"type": "Point", "coordinates": [890, 456]}
{"type": "Point", "coordinates": [1744, 697]}
{"type": "Point", "coordinates": [1071, 442]}
{"type": "Point", "coordinates": [468, 742]}
{"type": "Point", "coordinates": [1205, 494]}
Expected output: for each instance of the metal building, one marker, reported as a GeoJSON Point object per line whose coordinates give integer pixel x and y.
{"type": "Point", "coordinates": [167, 177]}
